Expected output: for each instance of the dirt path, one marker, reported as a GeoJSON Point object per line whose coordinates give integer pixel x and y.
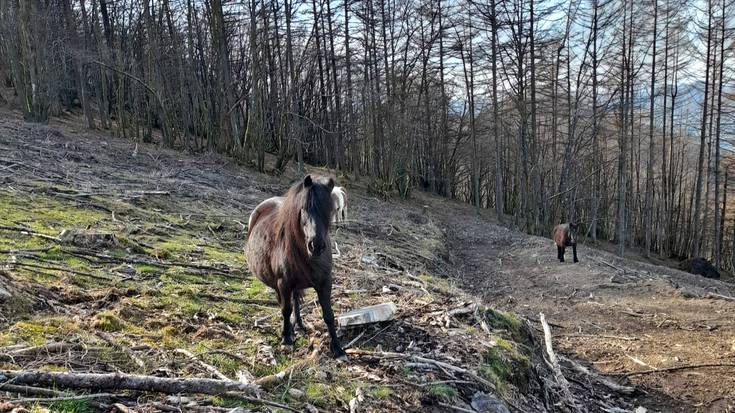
{"type": "Point", "coordinates": [619, 316]}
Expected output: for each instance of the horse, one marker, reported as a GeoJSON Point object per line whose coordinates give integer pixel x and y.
{"type": "Point", "coordinates": [700, 266]}
{"type": "Point", "coordinates": [339, 198]}
{"type": "Point", "coordinates": [288, 248]}
{"type": "Point", "coordinates": [565, 235]}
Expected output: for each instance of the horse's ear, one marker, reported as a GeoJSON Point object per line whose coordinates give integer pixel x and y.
{"type": "Point", "coordinates": [307, 181]}
{"type": "Point", "coordinates": [330, 184]}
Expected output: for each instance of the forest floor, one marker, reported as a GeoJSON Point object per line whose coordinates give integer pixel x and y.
{"type": "Point", "coordinates": [155, 283]}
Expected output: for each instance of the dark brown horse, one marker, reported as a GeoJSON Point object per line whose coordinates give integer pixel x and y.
{"type": "Point", "coordinates": [565, 235]}
{"type": "Point", "coordinates": [289, 250]}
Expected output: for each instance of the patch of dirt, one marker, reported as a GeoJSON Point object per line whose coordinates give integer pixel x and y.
{"type": "Point", "coordinates": [619, 316]}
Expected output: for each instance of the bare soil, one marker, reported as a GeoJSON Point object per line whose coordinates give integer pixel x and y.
{"type": "Point", "coordinates": [619, 316]}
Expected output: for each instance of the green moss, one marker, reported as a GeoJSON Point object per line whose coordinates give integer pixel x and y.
{"type": "Point", "coordinates": [71, 406]}
{"type": "Point", "coordinates": [499, 320]}
{"type": "Point", "coordinates": [380, 392]}
{"type": "Point", "coordinates": [5, 339]}
{"type": "Point", "coordinates": [442, 391]}
{"type": "Point", "coordinates": [234, 258]}
{"type": "Point", "coordinates": [45, 214]}
{"type": "Point", "coordinates": [35, 332]}
{"type": "Point", "coordinates": [256, 289]}
{"type": "Point", "coordinates": [225, 364]}
{"type": "Point", "coordinates": [230, 317]}
{"type": "Point", "coordinates": [230, 402]}
{"type": "Point", "coordinates": [504, 364]}
{"type": "Point", "coordinates": [108, 321]}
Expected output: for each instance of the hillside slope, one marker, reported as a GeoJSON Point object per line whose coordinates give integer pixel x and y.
{"type": "Point", "coordinates": [161, 289]}
{"type": "Point", "coordinates": [149, 278]}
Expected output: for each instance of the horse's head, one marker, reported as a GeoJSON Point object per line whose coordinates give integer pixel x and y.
{"type": "Point", "coordinates": [316, 212]}
{"type": "Point", "coordinates": [573, 232]}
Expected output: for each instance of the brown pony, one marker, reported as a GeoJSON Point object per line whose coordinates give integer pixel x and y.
{"type": "Point", "coordinates": [289, 250]}
{"type": "Point", "coordinates": [565, 235]}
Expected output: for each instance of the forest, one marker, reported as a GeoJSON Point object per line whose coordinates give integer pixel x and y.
{"type": "Point", "coordinates": [616, 114]}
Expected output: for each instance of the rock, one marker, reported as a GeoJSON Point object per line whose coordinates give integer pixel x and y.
{"type": "Point", "coordinates": [367, 315]}
{"type": "Point", "coordinates": [486, 403]}
{"type": "Point", "coordinates": [640, 409]}
{"type": "Point", "coordinates": [310, 408]}
{"type": "Point", "coordinates": [296, 393]}
{"type": "Point", "coordinates": [4, 294]}
{"type": "Point", "coordinates": [699, 266]}
{"type": "Point", "coordinates": [88, 239]}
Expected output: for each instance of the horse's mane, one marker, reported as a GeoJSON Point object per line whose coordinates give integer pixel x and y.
{"type": "Point", "coordinates": [287, 222]}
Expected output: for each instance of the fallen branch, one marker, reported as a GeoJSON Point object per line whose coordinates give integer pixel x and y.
{"type": "Point", "coordinates": [553, 363]}
{"type": "Point", "coordinates": [599, 336]}
{"type": "Point", "coordinates": [440, 364]}
{"type": "Point", "coordinates": [103, 258]}
{"type": "Point", "coordinates": [114, 343]}
{"type": "Point", "coordinates": [269, 381]}
{"type": "Point", "coordinates": [716, 296]}
{"type": "Point", "coordinates": [29, 390]}
{"type": "Point", "coordinates": [210, 368]}
{"type": "Point", "coordinates": [26, 231]}
{"type": "Point", "coordinates": [669, 369]}
{"type": "Point", "coordinates": [65, 398]}
{"type": "Point", "coordinates": [57, 268]}
{"type": "Point", "coordinates": [120, 381]}
{"type": "Point", "coordinates": [600, 379]}
{"type": "Point", "coordinates": [54, 347]}
{"type": "Point", "coordinates": [270, 303]}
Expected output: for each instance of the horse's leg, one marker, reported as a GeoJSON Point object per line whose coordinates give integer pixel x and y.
{"type": "Point", "coordinates": [297, 310]}
{"type": "Point", "coordinates": [560, 253]}
{"type": "Point", "coordinates": [286, 308]}
{"type": "Point", "coordinates": [325, 301]}
{"type": "Point", "coordinates": [574, 250]}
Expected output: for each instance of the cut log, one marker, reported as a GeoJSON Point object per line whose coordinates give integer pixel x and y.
{"type": "Point", "coordinates": [118, 381]}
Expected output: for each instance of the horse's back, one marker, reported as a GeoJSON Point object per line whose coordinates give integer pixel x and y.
{"type": "Point", "coordinates": [264, 208]}
{"type": "Point", "coordinates": [560, 234]}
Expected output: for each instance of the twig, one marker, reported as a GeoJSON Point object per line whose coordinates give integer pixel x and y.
{"type": "Point", "coordinates": [359, 336]}
{"type": "Point", "coordinates": [160, 264]}
{"type": "Point", "coordinates": [63, 269]}
{"type": "Point", "coordinates": [716, 296]}
{"type": "Point", "coordinates": [65, 398]}
{"type": "Point", "coordinates": [440, 364]}
{"type": "Point", "coordinates": [114, 343]}
{"type": "Point", "coordinates": [28, 232]}
{"type": "Point", "coordinates": [270, 303]}
{"type": "Point", "coordinates": [210, 368]}
{"type": "Point", "coordinates": [268, 381]}
{"type": "Point", "coordinates": [600, 379]}
{"type": "Point", "coordinates": [640, 362]}
{"type": "Point", "coordinates": [54, 347]}
{"type": "Point", "coordinates": [29, 390]}
{"type": "Point", "coordinates": [668, 369]}
{"type": "Point", "coordinates": [599, 336]}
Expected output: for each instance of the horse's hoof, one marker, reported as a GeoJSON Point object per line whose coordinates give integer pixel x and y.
{"type": "Point", "coordinates": [287, 348]}
{"type": "Point", "coordinates": [341, 359]}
